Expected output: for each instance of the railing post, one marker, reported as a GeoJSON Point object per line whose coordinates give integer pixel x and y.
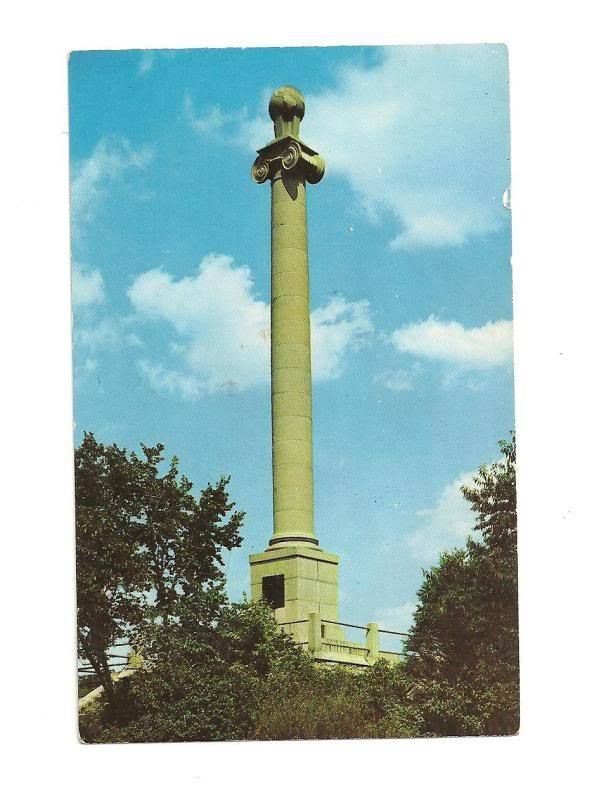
{"type": "Point", "coordinates": [372, 642]}
{"type": "Point", "coordinates": [134, 660]}
{"type": "Point", "coordinates": [314, 633]}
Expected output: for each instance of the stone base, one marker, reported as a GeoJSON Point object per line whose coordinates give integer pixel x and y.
{"type": "Point", "coordinates": [310, 584]}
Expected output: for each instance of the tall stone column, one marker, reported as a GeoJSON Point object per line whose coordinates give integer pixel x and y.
{"type": "Point", "coordinates": [289, 165]}
{"type": "Point", "coordinates": [294, 575]}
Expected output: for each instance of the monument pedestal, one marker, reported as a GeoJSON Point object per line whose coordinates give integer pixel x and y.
{"type": "Point", "coordinates": [296, 581]}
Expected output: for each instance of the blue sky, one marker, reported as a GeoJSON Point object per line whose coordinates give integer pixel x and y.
{"type": "Point", "coordinates": [409, 247]}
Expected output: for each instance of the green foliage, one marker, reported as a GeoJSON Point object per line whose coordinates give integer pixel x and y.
{"type": "Point", "coordinates": [316, 704]}
{"type": "Point", "coordinates": [387, 690]}
{"type": "Point", "coordinates": [335, 702]}
{"type": "Point", "coordinates": [462, 654]}
{"type": "Point", "coordinates": [240, 677]}
{"type": "Point", "coordinates": [144, 544]}
{"type": "Point", "coordinates": [201, 681]}
{"type": "Point", "coordinates": [149, 562]}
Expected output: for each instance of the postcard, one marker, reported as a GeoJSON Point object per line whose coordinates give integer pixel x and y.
{"type": "Point", "coordinates": [295, 456]}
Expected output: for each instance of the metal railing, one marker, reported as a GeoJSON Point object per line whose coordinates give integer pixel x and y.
{"type": "Point", "coordinates": [367, 631]}
{"type": "Point", "coordinates": [327, 637]}
{"type": "Point", "coordinates": [114, 660]}
{"type": "Point", "coordinates": [318, 638]}
{"type": "Point", "coordinates": [362, 627]}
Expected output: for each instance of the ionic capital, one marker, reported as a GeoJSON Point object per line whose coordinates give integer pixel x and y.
{"type": "Point", "coordinates": [288, 156]}
{"type": "Point", "coordinates": [287, 153]}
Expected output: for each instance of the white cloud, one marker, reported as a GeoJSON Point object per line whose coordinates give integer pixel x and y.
{"type": "Point", "coordinates": [171, 381]}
{"type": "Point", "coordinates": [472, 348]}
{"type": "Point", "coordinates": [146, 62]}
{"type": "Point", "coordinates": [88, 286]}
{"type": "Point", "coordinates": [222, 324]}
{"type": "Point", "coordinates": [432, 228]}
{"type": "Point", "coordinates": [214, 120]}
{"type": "Point", "coordinates": [422, 136]}
{"type": "Point", "coordinates": [149, 58]}
{"type": "Point", "coordinates": [107, 333]}
{"type": "Point", "coordinates": [223, 329]}
{"type": "Point", "coordinates": [444, 526]}
{"type": "Point", "coordinates": [336, 328]}
{"type": "Point", "coordinates": [90, 180]}
{"type": "Point", "coordinates": [91, 177]}
{"type": "Point", "coordinates": [399, 380]}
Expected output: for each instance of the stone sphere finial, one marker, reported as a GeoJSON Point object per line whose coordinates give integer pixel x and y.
{"type": "Point", "coordinates": [286, 102]}
{"type": "Point", "coordinates": [286, 108]}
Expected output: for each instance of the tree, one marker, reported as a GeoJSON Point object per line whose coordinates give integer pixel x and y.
{"type": "Point", "coordinates": [144, 544]}
{"type": "Point", "coordinates": [204, 677]}
{"type": "Point", "coordinates": [386, 691]}
{"type": "Point", "coordinates": [233, 674]}
{"type": "Point", "coordinates": [462, 652]}
{"type": "Point", "coordinates": [337, 702]}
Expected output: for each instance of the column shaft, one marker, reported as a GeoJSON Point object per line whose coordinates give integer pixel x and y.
{"type": "Point", "coordinates": [291, 393]}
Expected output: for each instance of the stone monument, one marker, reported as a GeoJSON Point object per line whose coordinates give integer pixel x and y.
{"type": "Point", "coordinates": [294, 574]}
